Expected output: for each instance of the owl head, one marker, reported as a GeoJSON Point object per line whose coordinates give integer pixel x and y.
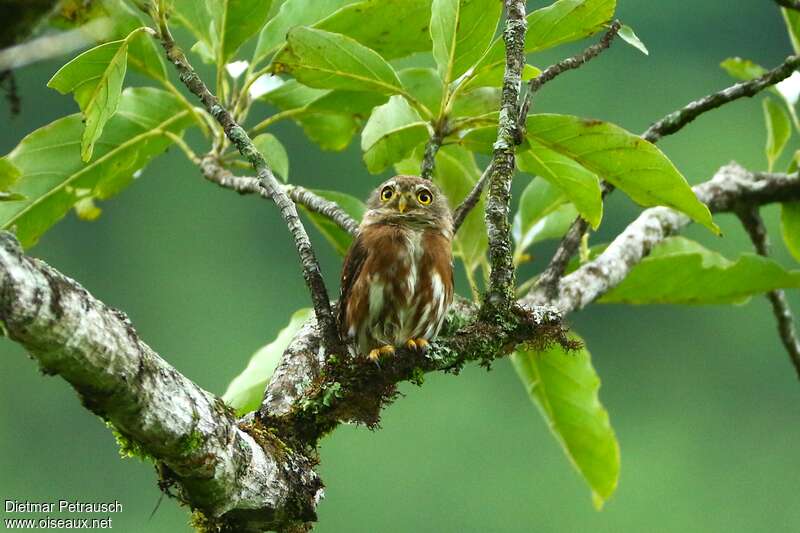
{"type": "Point", "coordinates": [409, 200]}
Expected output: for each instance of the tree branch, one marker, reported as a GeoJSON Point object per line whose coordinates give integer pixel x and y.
{"type": "Point", "coordinates": [731, 188]}
{"type": "Point", "coordinates": [672, 123]}
{"type": "Point", "coordinates": [472, 199]}
{"type": "Point", "coordinates": [238, 136]}
{"type": "Point", "coordinates": [789, 4]}
{"type": "Point", "coordinates": [224, 469]}
{"type": "Point", "coordinates": [754, 225]}
{"type": "Point", "coordinates": [215, 173]}
{"type": "Point", "coordinates": [500, 292]}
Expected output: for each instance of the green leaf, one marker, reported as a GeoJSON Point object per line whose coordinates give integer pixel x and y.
{"type": "Point", "coordinates": [392, 28]}
{"type": "Point", "coordinates": [354, 103]}
{"type": "Point", "coordinates": [626, 34]}
{"type": "Point", "coordinates": [292, 13]}
{"type": "Point", "coordinates": [425, 85]}
{"type": "Point", "coordinates": [790, 227]}
{"type": "Point", "coordinates": [291, 94]}
{"type": "Point", "coordinates": [538, 201]}
{"type": "Point", "coordinates": [742, 69]}
{"type": "Point", "coordinates": [779, 129]}
{"type": "Point", "coordinates": [329, 131]}
{"type": "Point", "coordinates": [457, 173]}
{"type": "Point", "coordinates": [792, 19]}
{"type": "Point", "coordinates": [339, 239]}
{"type": "Point", "coordinates": [392, 132]}
{"type": "Point", "coordinates": [246, 390]}
{"type": "Point", "coordinates": [562, 22]}
{"type": "Point", "coordinates": [493, 76]}
{"type": "Point", "coordinates": [680, 271]}
{"type": "Point", "coordinates": [579, 184]}
{"type": "Point", "coordinates": [234, 22]}
{"type": "Point", "coordinates": [96, 78]}
{"type": "Point", "coordinates": [477, 102]}
{"type": "Point", "coordinates": [195, 16]}
{"type": "Point", "coordinates": [626, 160]}
{"type": "Point", "coordinates": [144, 54]}
{"type": "Point", "coordinates": [53, 177]}
{"type": "Point", "coordinates": [274, 152]}
{"type": "Point", "coordinates": [564, 386]}
{"type": "Point", "coordinates": [461, 31]}
{"type": "Point", "coordinates": [331, 61]}
{"type": "Point", "coordinates": [9, 174]}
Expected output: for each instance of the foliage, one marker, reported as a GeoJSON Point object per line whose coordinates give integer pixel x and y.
{"type": "Point", "coordinates": [401, 74]}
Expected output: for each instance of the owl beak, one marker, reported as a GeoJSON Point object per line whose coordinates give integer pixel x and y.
{"type": "Point", "coordinates": [402, 203]}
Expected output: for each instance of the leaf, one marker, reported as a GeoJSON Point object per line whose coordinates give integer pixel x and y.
{"type": "Point", "coordinates": [392, 28]}
{"type": "Point", "coordinates": [742, 69]}
{"type": "Point", "coordinates": [52, 174]}
{"type": "Point", "coordinates": [144, 54]}
{"type": "Point", "coordinates": [274, 152]}
{"type": "Point", "coordinates": [245, 391]}
{"type": "Point", "coordinates": [234, 22]}
{"type": "Point", "coordinates": [331, 61]}
{"type": "Point", "coordinates": [681, 271]}
{"type": "Point", "coordinates": [329, 131]}
{"type": "Point", "coordinates": [562, 22]}
{"type": "Point", "coordinates": [9, 174]}
{"type": "Point", "coordinates": [392, 132]}
{"type": "Point", "coordinates": [456, 173]}
{"type": "Point", "coordinates": [626, 160]}
{"type": "Point", "coordinates": [790, 227]}
{"type": "Point", "coordinates": [792, 19]}
{"type": "Point", "coordinates": [564, 386]}
{"type": "Point", "coordinates": [461, 31]}
{"type": "Point", "coordinates": [626, 34]}
{"type": "Point", "coordinates": [425, 85]}
{"type": "Point", "coordinates": [195, 16]}
{"type": "Point", "coordinates": [96, 78]}
{"type": "Point", "coordinates": [291, 94]}
{"type": "Point", "coordinates": [339, 239]}
{"type": "Point", "coordinates": [539, 200]}
{"type": "Point", "coordinates": [579, 184]}
{"type": "Point", "coordinates": [292, 13]}
{"type": "Point", "coordinates": [477, 102]}
{"type": "Point", "coordinates": [779, 129]}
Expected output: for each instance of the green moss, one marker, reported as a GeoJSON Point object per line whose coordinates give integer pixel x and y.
{"type": "Point", "coordinates": [191, 442]}
{"type": "Point", "coordinates": [203, 524]}
{"type": "Point", "coordinates": [127, 447]}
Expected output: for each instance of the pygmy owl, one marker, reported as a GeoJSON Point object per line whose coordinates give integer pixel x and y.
{"type": "Point", "coordinates": [397, 279]}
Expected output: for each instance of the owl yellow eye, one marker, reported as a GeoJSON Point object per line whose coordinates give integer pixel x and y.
{"type": "Point", "coordinates": [387, 193]}
{"type": "Point", "coordinates": [424, 197]}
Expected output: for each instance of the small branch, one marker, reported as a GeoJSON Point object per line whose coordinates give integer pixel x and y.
{"type": "Point", "coordinates": [237, 135]}
{"type": "Point", "coordinates": [218, 466]}
{"type": "Point", "coordinates": [500, 292]}
{"type": "Point", "coordinates": [754, 225]}
{"type": "Point", "coordinates": [247, 185]}
{"type": "Point", "coordinates": [730, 188]}
{"type": "Point", "coordinates": [789, 4]}
{"type": "Point", "coordinates": [680, 118]}
{"type": "Point", "coordinates": [472, 199]}
{"type": "Point", "coordinates": [564, 65]}
{"type": "Point", "coordinates": [431, 149]}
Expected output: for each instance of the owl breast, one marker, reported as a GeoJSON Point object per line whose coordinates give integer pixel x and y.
{"type": "Point", "coordinates": [403, 289]}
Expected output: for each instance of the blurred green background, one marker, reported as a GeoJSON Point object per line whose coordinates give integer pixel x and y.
{"type": "Point", "coordinates": [704, 401]}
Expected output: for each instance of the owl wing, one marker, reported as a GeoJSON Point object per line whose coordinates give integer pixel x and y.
{"type": "Point", "coordinates": [353, 263]}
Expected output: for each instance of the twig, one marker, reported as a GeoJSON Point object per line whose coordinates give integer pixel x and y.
{"type": "Point", "coordinates": [754, 225]}
{"type": "Point", "coordinates": [564, 65]}
{"type": "Point", "coordinates": [789, 4]}
{"type": "Point", "coordinates": [668, 125]}
{"type": "Point", "coordinates": [472, 199]}
{"type": "Point", "coordinates": [237, 135]}
{"type": "Point", "coordinates": [213, 172]}
{"type": "Point", "coordinates": [680, 118]}
{"type": "Point", "coordinates": [500, 291]}
{"type": "Point", "coordinates": [431, 149]}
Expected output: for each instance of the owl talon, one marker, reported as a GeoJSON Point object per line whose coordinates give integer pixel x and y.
{"type": "Point", "coordinates": [420, 345]}
{"type": "Point", "coordinates": [376, 354]}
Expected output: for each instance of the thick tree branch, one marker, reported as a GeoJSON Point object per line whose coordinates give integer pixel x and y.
{"type": "Point", "coordinates": [500, 292]}
{"type": "Point", "coordinates": [672, 123]}
{"type": "Point", "coordinates": [224, 469]}
{"type": "Point", "coordinates": [213, 172]}
{"type": "Point", "coordinates": [754, 225]}
{"type": "Point", "coordinates": [238, 136]}
{"type": "Point", "coordinates": [731, 188]}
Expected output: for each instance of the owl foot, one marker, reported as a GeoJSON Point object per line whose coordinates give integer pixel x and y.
{"type": "Point", "coordinates": [376, 354]}
{"type": "Point", "coordinates": [420, 345]}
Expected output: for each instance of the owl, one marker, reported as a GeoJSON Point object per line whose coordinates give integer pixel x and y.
{"type": "Point", "coordinates": [397, 279]}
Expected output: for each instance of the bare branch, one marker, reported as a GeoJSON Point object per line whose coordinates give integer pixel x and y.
{"type": "Point", "coordinates": [754, 225]}
{"type": "Point", "coordinates": [500, 292]}
{"type": "Point", "coordinates": [564, 65]}
{"type": "Point", "coordinates": [248, 185]}
{"type": "Point", "coordinates": [238, 136]}
{"type": "Point", "coordinates": [472, 199]}
{"type": "Point", "coordinates": [680, 118]}
{"type": "Point", "coordinates": [216, 464]}
{"type": "Point", "coordinates": [431, 149]}
{"type": "Point", "coordinates": [731, 188]}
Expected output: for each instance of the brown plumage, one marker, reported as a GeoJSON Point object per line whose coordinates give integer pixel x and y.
{"type": "Point", "coordinates": [397, 280]}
